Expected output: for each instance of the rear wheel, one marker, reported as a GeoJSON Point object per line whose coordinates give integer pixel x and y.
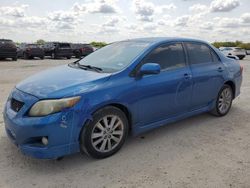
{"type": "Point", "coordinates": [78, 54]}
{"type": "Point", "coordinates": [106, 134]}
{"type": "Point", "coordinates": [53, 55]}
{"type": "Point", "coordinates": [26, 56]}
{"type": "Point", "coordinates": [69, 57]}
{"type": "Point", "coordinates": [14, 58]}
{"type": "Point", "coordinates": [224, 101]}
{"type": "Point", "coordinates": [42, 57]}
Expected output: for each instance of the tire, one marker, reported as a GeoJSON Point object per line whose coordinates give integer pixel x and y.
{"type": "Point", "coordinates": [78, 54]}
{"type": "Point", "coordinates": [14, 58]}
{"type": "Point", "coordinates": [100, 141]}
{"type": "Point", "coordinates": [225, 97]}
{"type": "Point", "coordinates": [42, 57]}
{"type": "Point", "coordinates": [26, 56]}
{"type": "Point", "coordinates": [69, 57]}
{"type": "Point", "coordinates": [53, 55]}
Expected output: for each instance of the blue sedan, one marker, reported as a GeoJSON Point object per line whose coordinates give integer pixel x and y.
{"type": "Point", "coordinates": [131, 86]}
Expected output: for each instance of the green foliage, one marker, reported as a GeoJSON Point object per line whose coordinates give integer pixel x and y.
{"type": "Point", "coordinates": [98, 44]}
{"type": "Point", "coordinates": [40, 41]}
{"type": "Point", "coordinates": [232, 44]}
{"type": "Point", "coordinates": [245, 46]}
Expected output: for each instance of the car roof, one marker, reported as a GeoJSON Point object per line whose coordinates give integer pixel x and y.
{"type": "Point", "coordinates": [165, 39]}
{"type": "Point", "coordinates": [7, 40]}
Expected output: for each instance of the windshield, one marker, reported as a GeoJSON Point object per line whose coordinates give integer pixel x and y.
{"type": "Point", "coordinates": [114, 57]}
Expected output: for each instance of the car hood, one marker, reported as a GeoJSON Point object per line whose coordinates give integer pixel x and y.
{"type": "Point", "coordinates": [61, 81]}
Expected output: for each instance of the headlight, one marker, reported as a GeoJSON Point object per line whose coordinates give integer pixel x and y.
{"type": "Point", "coordinates": [46, 107]}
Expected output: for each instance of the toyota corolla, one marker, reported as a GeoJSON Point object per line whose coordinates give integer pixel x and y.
{"type": "Point", "coordinates": [131, 86]}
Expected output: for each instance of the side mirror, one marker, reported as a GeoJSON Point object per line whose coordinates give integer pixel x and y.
{"type": "Point", "coordinates": [233, 57]}
{"type": "Point", "coordinates": [150, 68]}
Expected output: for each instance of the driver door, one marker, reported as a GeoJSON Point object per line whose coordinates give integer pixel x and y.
{"type": "Point", "coordinates": [168, 93]}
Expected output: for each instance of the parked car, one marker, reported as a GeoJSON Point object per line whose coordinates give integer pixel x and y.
{"type": "Point", "coordinates": [80, 50]}
{"type": "Point", "coordinates": [234, 51]}
{"type": "Point", "coordinates": [8, 49]}
{"type": "Point", "coordinates": [57, 49]}
{"type": "Point", "coordinates": [29, 51]}
{"type": "Point", "coordinates": [130, 86]}
{"type": "Point", "coordinates": [248, 52]}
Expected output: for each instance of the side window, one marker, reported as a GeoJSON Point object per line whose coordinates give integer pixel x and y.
{"type": "Point", "coordinates": [199, 53]}
{"type": "Point", "coordinates": [215, 57]}
{"type": "Point", "coordinates": [169, 56]}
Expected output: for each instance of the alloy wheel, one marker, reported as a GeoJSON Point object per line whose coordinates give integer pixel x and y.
{"type": "Point", "coordinates": [225, 100]}
{"type": "Point", "coordinates": [107, 133]}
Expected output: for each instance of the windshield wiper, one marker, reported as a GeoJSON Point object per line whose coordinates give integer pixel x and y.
{"type": "Point", "coordinates": [97, 69]}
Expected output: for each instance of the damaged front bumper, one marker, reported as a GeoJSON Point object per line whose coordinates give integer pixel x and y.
{"type": "Point", "coordinates": [27, 132]}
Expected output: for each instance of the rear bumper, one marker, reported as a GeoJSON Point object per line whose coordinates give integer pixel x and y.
{"type": "Point", "coordinates": [64, 54]}
{"type": "Point", "coordinates": [8, 54]}
{"type": "Point", "coordinates": [36, 54]}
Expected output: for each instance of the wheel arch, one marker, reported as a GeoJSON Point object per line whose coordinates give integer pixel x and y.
{"type": "Point", "coordinates": [120, 106]}
{"type": "Point", "coordinates": [232, 85]}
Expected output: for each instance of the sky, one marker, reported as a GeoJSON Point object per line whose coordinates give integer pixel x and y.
{"type": "Point", "coordinates": [114, 20]}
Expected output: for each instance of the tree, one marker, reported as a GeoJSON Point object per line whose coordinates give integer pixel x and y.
{"type": "Point", "coordinates": [98, 44]}
{"type": "Point", "coordinates": [245, 46]}
{"type": "Point", "coordinates": [40, 41]}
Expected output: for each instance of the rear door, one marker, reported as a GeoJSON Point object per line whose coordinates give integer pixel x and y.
{"type": "Point", "coordinates": [207, 71]}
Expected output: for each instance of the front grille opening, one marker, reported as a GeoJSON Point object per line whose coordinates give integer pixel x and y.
{"type": "Point", "coordinates": [16, 105]}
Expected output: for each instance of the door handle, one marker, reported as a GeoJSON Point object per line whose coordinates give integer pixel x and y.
{"type": "Point", "coordinates": [187, 76]}
{"type": "Point", "coordinates": [220, 69]}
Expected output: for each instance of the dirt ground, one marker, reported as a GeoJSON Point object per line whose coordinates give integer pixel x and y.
{"type": "Point", "coordinates": [202, 151]}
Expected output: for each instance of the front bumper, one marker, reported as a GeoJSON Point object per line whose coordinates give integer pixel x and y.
{"type": "Point", "coordinates": [26, 132]}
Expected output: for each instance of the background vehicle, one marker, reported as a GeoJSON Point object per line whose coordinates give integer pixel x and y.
{"type": "Point", "coordinates": [235, 51]}
{"type": "Point", "coordinates": [80, 50]}
{"type": "Point", "coordinates": [57, 49]}
{"type": "Point", "coordinates": [138, 85]}
{"type": "Point", "coordinates": [8, 49]}
{"type": "Point", "coordinates": [29, 51]}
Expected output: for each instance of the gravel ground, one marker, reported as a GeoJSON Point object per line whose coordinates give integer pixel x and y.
{"type": "Point", "coordinates": [202, 151]}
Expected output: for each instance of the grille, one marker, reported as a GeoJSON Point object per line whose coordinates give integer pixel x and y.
{"type": "Point", "coordinates": [16, 105]}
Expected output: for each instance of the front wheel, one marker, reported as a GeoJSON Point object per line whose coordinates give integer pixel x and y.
{"type": "Point", "coordinates": [224, 101]}
{"type": "Point", "coordinates": [14, 58]}
{"type": "Point", "coordinates": [106, 134]}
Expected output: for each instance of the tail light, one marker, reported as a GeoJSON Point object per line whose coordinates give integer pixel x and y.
{"type": "Point", "coordinates": [241, 69]}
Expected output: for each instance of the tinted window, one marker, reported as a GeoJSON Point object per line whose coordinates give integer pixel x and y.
{"type": "Point", "coordinates": [198, 53]}
{"type": "Point", "coordinates": [168, 56]}
{"type": "Point", "coordinates": [64, 45]}
{"type": "Point", "coordinates": [215, 57]}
